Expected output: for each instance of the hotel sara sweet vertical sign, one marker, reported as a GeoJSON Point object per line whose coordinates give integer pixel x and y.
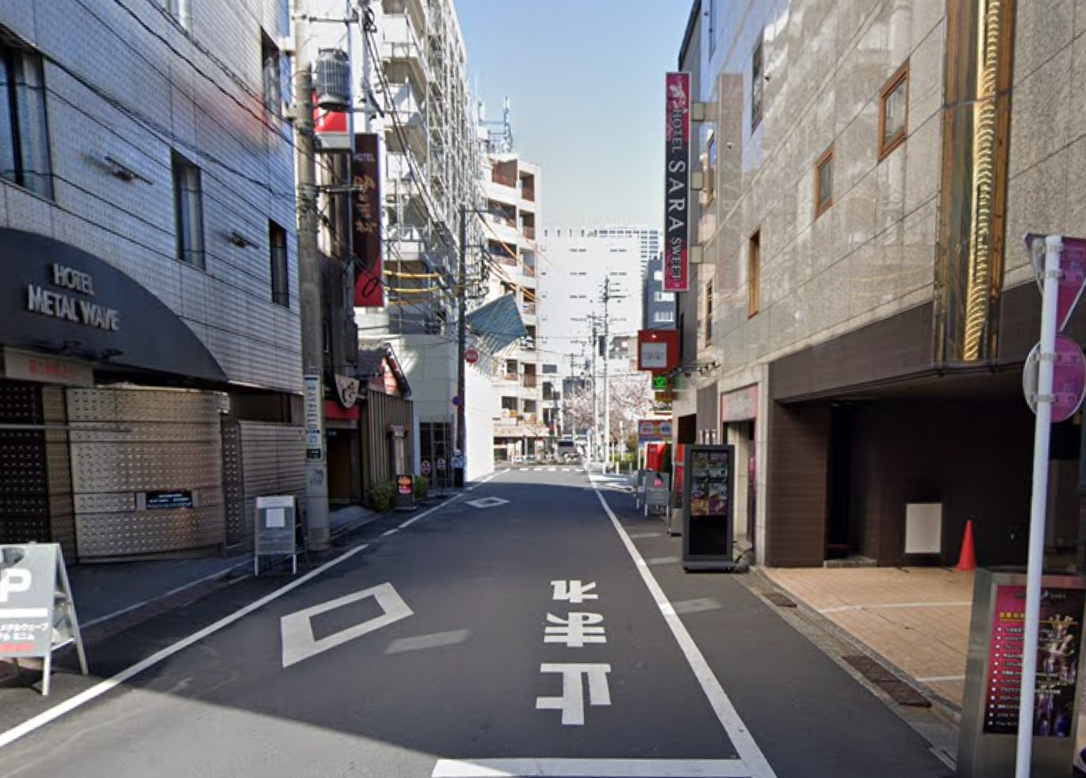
{"type": "Point", "coordinates": [677, 177]}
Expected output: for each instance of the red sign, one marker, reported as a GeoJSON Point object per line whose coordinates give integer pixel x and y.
{"type": "Point", "coordinates": [471, 356]}
{"type": "Point", "coordinates": [677, 182]}
{"type": "Point", "coordinates": [657, 350]}
{"type": "Point", "coordinates": [369, 290]}
{"type": "Point", "coordinates": [654, 429]}
{"type": "Point", "coordinates": [404, 485]}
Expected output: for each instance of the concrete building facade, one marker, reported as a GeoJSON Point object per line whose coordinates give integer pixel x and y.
{"type": "Point", "coordinates": [859, 325]}
{"type": "Point", "coordinates": [150, 317]}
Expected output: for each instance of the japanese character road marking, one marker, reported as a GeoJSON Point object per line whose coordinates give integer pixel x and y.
{"type": "Point", "coordinates": [576, 630]}
{"type": "Point", "coordinates": [574, 591]}
{"type": "Point", "coordinates": [571, 703]}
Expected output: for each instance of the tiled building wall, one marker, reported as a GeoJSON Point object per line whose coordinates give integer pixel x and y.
{"type": "Point", "coordinates": [125, 79]}
{"type": "Point", "coordinates": [1048, 137]}
{"type": "Point", "coordinates": [871, 254]}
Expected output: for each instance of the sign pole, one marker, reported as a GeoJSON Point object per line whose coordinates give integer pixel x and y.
{"type": "Point", "coordinates": [1041, 436]}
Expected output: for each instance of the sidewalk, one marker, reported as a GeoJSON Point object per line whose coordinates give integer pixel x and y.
{"type": "Point", "coordinates": [915, 619]}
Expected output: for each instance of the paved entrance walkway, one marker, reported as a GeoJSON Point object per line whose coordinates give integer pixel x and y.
{"type": "Point", "coordinates": [916, 619]}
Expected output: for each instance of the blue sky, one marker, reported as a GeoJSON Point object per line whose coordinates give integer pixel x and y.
{"type": "Point", "coordinates": [586, 80]}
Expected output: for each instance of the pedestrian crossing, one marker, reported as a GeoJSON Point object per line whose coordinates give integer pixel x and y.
{"type": "Point", "coordinates": [553, 469]}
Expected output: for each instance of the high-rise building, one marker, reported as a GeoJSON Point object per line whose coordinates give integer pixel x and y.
{"type": "Point", "coordinates": [648, 239]}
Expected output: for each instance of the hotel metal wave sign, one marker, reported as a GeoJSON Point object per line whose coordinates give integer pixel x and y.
{"type": "Point", "coordinates": [72, 298]}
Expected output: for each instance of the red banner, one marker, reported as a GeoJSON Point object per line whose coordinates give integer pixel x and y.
{"type": "Point", "coordinates": [677, 176]}
{"type": "Point", "coordinates": [369, 289]}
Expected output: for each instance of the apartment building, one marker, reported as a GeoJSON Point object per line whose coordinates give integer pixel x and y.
{"type": "Point", "coordinates": [411, 58]}
{"type": "Point", "coordinates": [510, 220]}
{"type": "Point", "coordinates": [860, 321]}
{"type": "Point", "coordinates": [149, 318]}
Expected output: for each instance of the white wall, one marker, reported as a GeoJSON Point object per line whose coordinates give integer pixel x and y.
{"type": "Point", "coordinates": [480, 411]}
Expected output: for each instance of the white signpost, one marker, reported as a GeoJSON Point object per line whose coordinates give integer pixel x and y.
{"type": "Point", "coordinates": [1059, 295]}
{"type": "Point", "coordinates": [37, 611]}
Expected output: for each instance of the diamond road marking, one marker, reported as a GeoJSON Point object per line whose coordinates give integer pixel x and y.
{"type": "Point", "coordinates": [599, 768]}
{"type": "Point", "coordinates": [297, 628]}
{"type": "Point", "coordinates": [488, 502]}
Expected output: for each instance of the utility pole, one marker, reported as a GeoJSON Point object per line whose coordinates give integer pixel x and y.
{"type": "Point", "coordinates": [595, 399]}
{"type": "Point", "coordinates": [461, 332]}
{"type": "Point", "coordinates": [309, 272]}
{"type": "Point", "coordinates": [606, 391]}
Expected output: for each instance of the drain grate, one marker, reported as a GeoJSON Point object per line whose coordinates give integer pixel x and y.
{"type": "Point", "coordinates": [899, 691]}
{"type": "Point", "coordinates": [780, 600]}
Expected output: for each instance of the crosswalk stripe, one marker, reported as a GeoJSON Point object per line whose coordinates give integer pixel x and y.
{"type": "Point", "coordinates": [603, 768]}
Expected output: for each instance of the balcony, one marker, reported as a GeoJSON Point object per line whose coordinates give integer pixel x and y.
{"type": "Point", "coordinates": [530, 381]}
{"type": "Point", "coordinates": [402, 43]}
{"type": "Point", "coordinates": [406, 100]}
{"type": "Point", "coordinates": [528, 194]}
{"type": "Point", "coordinates": [498, 178]}
{"type": "Point", "coordinates": [528, 232]}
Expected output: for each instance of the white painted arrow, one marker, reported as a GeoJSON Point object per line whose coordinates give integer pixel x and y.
{"type": "Point", "coordinates": [297, 628]}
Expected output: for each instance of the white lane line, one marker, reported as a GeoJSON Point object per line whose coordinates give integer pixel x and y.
{"type": "Point", "coordinates": [641, 535]}
{"type": "Point", "coordinates": [96, 691]}
{"type": "Point", "coordinates": [696, 606]}
{"type": "Point", "coordinates": [452, 499]}
{"type": "Point", "coordinates": [597, 768]}
{"type": "Point", "coordinates": [247, 564]}
{"type": "Point", "coordinates": [421, 642]}
{"type": "Point", "coordinates": [664, 560]}
{"type": "Point", "coordinates": [392, 531]}
{"type": "Point", "coordinates": [752, 756]}
{"type": "Point", "coordinates": [845, 608]}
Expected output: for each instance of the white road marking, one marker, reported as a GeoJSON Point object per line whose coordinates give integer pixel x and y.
{"type": "Point", "coordinates": [422, 642]}
{"type": "Point", "coordinates": [552, 469]}
{"type": "Point", "coordinates": [663, 560]}
{"type": "Point", "coordinates": [696, 606]}
{"type": "Point", "coordinates": [297, 628]}
{"type": "Point", "coordinates": [756, 764]}
{"type": "Point", "coordinates": [844, 608]}
{"type": "Point", "coordinates": [247, 565]}
{"type": "Point", "coordinates": [641, 535]}
{"type": "Point", "coordinates": [392, 531]}
{"type": "Point", "coordinates": [571, 703]}
{"type": "Point", "coordinates": [602, 768]}
{"type": "Point", "coordinates": [488, 502]}
{"type": "Point", "coordinates": [574, 591]}
{"type": "Point", "coordinates": [96, 691]}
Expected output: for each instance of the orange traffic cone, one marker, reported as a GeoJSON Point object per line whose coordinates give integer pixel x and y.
{"type": "Point", "coordinates": [968, 559]}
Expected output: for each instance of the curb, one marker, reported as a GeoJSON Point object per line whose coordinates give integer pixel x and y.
{"type": "Point", "coordinates": [761, 584]}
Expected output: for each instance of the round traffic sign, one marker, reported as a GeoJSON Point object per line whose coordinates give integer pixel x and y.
{"type": "Point", "coordinates": [441, 463]}
{"type": "Point", "coordinates": [1068, 378]}
{"type": "Point", "coordinates": [426, 467]}
{"type": "Point", "coordinates": [471, 356]}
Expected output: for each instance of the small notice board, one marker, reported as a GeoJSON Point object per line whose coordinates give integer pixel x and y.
{"type": "Point", "coordinates": [276, 529]}
{"type": "Point", "coordinates": [37, 611]}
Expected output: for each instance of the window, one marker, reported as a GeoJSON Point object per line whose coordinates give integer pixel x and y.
{"type": "Point", "coordinates": [664, 317]}
{"type": "Point", "coordinates": [280, 283]}
{"type": "Point", "coordinates": [894, 111]}
{"type": "Point", "coordinates": [708, 313]}
{"type": "Point", "coordinates": [824, 182]}
{"type": "Point", "coordinates": [710, 168]}
{"type": "Point", "coordinates": [754, 272]}
{"type": "Point", "coordinates": [663, 297]}
{"type": "Point", "coordinates": [24, 133]}
{"type": "Point", "coordinates": [273, 84]}
{"type": "Point", "coordinates": [189, 209]}
{"type": "Point", "coordinates": [757, 75]}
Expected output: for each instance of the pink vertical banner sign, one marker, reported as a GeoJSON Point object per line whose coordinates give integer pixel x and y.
{"type": "Point", "coordinates": [677, 177]}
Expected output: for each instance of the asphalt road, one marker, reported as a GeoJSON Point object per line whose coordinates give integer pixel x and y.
{"type": "Point", "coordinates": [527, 635]}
